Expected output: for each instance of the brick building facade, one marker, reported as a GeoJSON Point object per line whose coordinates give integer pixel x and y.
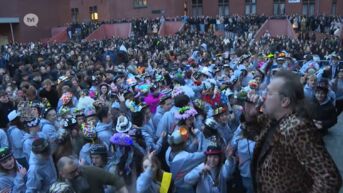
{"type": "Point", "coordinates": [53, 13]}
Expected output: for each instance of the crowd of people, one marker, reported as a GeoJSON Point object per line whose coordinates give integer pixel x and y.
{"type": "Point", "coordinates": [331, 25]}
{"type": "Point", "coordinates": [193, 112]}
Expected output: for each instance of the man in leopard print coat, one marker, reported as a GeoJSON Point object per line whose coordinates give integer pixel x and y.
{"type": "Point", "coordinates": [290, 156]}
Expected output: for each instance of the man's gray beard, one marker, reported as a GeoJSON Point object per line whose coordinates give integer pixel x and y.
{"type": "Point", "coordinates": [80, 183]}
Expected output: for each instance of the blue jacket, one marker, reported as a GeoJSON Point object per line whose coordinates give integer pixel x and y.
{"type": "Point", "coordinates": [27, 142]}
{"type": "Point", "coordinates": [104, 132]}
{"type": "Point", "coordinates": [225, 132]}
{"type": "Point", "coordinates": [146, 183]}
{"type": "Point", "coordinates": [15, 136]}
{"type": "Point", "coordinates": [244, 151]}
{"type": "Point", "coordinates": [182, 163]}
{"type": "Point", "coordinates": [309, 92]}
{"type": "Point", "coordinates": [41, 174]}
{"type": "Point", "coordinates": [150, 141]}
{"type": "Point", "coordinates": [157, 116]}
{"type": "Point", "coordinates": [204, 182]}
{"type": "Point", "coordinates": [3, 139]}
{"type": "Point", "coordinates": [13, 181]}
{"type": "Point", "coordinates": [49, 130]}
{"type": "Point", "coordinates": [168, 122]}
{"type": "Point", "coordinates": [85, 154]}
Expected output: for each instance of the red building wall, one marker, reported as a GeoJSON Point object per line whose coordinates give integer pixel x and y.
{"type": "Point", "coordinates": [54, 13]}
{"type": "Point", "coordinates": [264, 7]}
{"type": "Point", "coordinates": [236, 7]}
{"type": "Point", "coordinates": [51, 13]}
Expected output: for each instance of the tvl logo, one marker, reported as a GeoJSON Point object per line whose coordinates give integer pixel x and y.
{"type": "Point", "coordinates": [31, 20]}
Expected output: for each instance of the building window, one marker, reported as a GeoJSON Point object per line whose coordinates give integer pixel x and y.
{"type": "Point", "coordinates": [74, 14]}
{"type": "Point", "coordinates": [93, 12]}
{"type": "Point", "coordinates": [250, 7]}
{"type": "Point", "coordinates": [279, 7]}
{"type": "Point", "coordinates": [223, 7]}
{"type": "Point", "coordinates": [140, 3]}
{"type": "Point", "coordinates": [333, 7]}
{"type": "Point", "coordinates": [308, 7]}
{"type": "Point", "coordinates": [196, 7]}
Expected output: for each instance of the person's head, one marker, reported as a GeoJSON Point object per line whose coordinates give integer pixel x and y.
{"type": "Point", "coordinates": [98, 155]}
{"type": "Point", "coordinates": [47, 84]}
{"type": "Point", "coordinates": [213, 156]}
{"type": "Point", "coordinates": [154, 164]}
{"type": "Point", "coordinates": [284, 95]}
{"type": "Point", "coordinates": [311, 81]}
{"type": "Point", "coordinates": [90, 116]}
{"type": "Point", "coordinates": [138, 118]}
{"type": "Point", "coordinates": [220, 114]}
{"type": "Point", "coordinates": [209, 128]}
{"type": "Point", "coordinates": [14, 119]}
{"type": "Point", "coordinates": [31, 93]}
{"type": "Point", "coordinates": [177, 140]}
{"type": "Point", "coordinates": [3, 97]}
{"type": "Point", "coordinates": [104, 88]}
{"type": "Point", "coordinates": [322, 90]}
{"type": "Point", "coordinates": [186, 116]}
{"type": "Point", "coordinates": [41, 148]}
{"type": "Point", "coordinates": [50, 114]}
{"type": "Point", "coordinates": [181, 100]}
{"type": "Point", "coordinates": [104, 114]}
{"type": "Point", "coordinates": [68, 168]}
{"type": "Point", "coordinates": [166, 103]}
{"type": "Point", "coordinates": [7, 161]}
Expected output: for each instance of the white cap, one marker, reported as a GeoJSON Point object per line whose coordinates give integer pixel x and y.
{"type": "Point", "coordinates": [13, 114]}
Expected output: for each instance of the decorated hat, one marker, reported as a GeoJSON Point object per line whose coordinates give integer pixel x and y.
{"type": "Point", "coordinates": [177, 91]}
{"type": "Point", "coordinates": [12, 115]}
{"type": "Point", "coordinates": [143, 88]}
{"type": "Point", "coordinates": [200, 104]}
{"type": "Point", "coordinates": [121, 139]}
{"type": "Point", "coordinates": [61, 187]}
{"type": "Point", "coordinates": [131, 81]}
{"type": "Point", "coordinates": [210, 123]}
{"type": "Point", "coordinates": [69, 122]}
{"type": "Point", "coordinates": [213, 149]}
{"type": "Point", "coordinates": [185, 113]}
{"type": "Point", "coordinates": [219, 111]}
{"type": "Point", "coordinates": [123, 124]}
{"type": "Point", "coordinates": [33, 123]}
{"type": "Point", "coordinates": [130, 104]}
{"type": "Point", "coordinates": [98, 149]}
{"type": "Point", "coordinates": [5, 153]}
{"type": "Point", "coordinates": [178, 136]}
{"type": "Point", "coordinates": [89, 132]}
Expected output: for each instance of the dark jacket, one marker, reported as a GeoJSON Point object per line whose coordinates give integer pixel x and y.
{"type": "Point", "coordinates": [97, 178]}
{"type": "Point", "coordinates": [5, 109]}
{"type": "Point", "coordinates": [325, 112]}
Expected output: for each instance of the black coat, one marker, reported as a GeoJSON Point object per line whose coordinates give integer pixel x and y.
{"type": "Point", "coordinates": [5, 109]}
{"type": "Point", "coordinates": [326, 113]}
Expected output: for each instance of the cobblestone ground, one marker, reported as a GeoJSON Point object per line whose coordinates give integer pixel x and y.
{"type": "Point", "coordinates": [334, 144]}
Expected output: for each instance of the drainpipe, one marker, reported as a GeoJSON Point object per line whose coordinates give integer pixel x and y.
{"type": "Point", "coordinates": [318, 6]}
{"type": "Point", "coordinates": [12, 34]}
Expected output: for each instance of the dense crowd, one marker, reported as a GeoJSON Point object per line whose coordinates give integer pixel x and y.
{"type": "Point", "coordinates": [155, 114]}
